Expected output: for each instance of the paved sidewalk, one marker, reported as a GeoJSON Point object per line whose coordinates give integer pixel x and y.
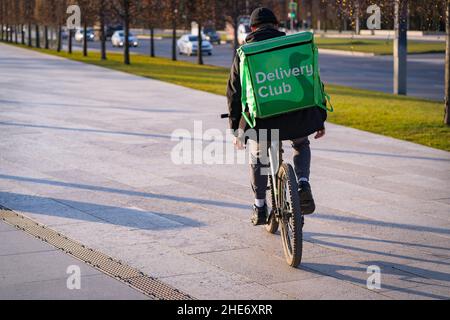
{"type": "Point", "coordinates": [32, 269]}
{"type": "Point", "coordinates": [87, 151]}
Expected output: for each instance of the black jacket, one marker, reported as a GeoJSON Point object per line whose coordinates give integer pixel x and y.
{"type": "Point", "coordinates": [292, 125]}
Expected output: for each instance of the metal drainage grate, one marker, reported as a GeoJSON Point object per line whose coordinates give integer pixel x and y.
{"type": "Point", "coordinates": [149, 286]}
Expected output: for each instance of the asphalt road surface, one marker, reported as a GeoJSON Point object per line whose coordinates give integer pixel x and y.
{"type": "Point", "coordinates": [425, 72]}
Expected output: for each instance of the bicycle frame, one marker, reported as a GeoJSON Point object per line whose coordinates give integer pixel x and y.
{"type": "Point", "coordinates": [275, 160]}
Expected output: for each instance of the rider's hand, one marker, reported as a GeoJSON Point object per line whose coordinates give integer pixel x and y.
{"type": "Point", "coordinates": [238, 143]}
{"type": "Point", "coordinates": [320, 134]}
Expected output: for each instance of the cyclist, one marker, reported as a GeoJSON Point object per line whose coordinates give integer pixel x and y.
{"type": "Point", "coordinates": [295, 126]}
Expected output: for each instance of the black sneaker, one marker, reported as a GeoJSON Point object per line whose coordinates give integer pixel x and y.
{"type": "Point", "coordinates": [307, 204]}
{"type": "Point", "coordinates": [259, 216]}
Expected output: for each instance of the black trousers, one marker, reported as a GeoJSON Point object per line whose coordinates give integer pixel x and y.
{"type": "Point", "coordinates": [259, 164]}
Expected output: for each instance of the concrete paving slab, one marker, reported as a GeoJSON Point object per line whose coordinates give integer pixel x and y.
{"type": "Point", "coordinates": [6, 228]}
{"type": "Point", "coordinates": [221, 285]}
{"type": "Point", "coordinates": [18, 242]}
{"type": "Point", "coordinates": [256, 265]}
{"type": "Point", "coordinates": [93, 287]}
{"type": "Point", "coordinates": [434, 292]}
{"type": "Point", "coordinates": [38, 266]}
{"type": "Point", "coordinates": [327, 288]}
{"type": "Point", "coordinates": [32, 269]}
{"type": "Point", "coordinates": [355, 271]}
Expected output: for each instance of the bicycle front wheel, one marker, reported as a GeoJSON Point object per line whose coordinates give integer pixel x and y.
{"type": "Point", "coordinates": [292, 220]}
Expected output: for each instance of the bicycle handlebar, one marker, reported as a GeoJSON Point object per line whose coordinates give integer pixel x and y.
{"type": "Point", "coordinates": [224, 116]}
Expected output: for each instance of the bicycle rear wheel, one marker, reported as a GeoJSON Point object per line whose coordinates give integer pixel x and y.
{"type": "Point", "coordinates": [292, 220]}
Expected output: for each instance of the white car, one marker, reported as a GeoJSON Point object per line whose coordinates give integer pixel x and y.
{"type": "Point", "coordinates": [243, 31]}
{"type": "Point", "coordinates": [118, 39]}
{"type": "Point", "coordinates": [188, 44]}
{"type": "Point", "coordinates": [79, 34]}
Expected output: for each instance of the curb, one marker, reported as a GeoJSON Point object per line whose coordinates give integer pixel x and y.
{"type": "Point", "coordinates": [347, 53]}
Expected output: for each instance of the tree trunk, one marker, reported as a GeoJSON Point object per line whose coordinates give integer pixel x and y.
{"type": "Point", "coordinates": [357, 23]}
{"type": "Point", "coordinates": [16, 35]}
{"type": "Point", "coordinates": [59, 39]}
{"type": "Point", "coordinates": [400, 47]}
{"type": "Point", "coordinates": [70, 41]}
{"type": "Point", "coordinates": [102, 32]}
{"type": "Point", "coordinates": [174, 38]}
{"type": "Point", "coordinates": [22, 30]}
{"type": "Point", "coordinates": [1, 32]}
{"type": "Point", "coordinates": [126, 27]}
{"type": "Point", "coordinates": [200, 44]}
{"type": "Point", "coordinates": [85, 48]}
{"type": "Point", "coordinates": [152, 42]}
{"type": "Point", "coordinates": [46, 37]}
{"type": "Point", "coordinates": [29, 35]}
{"type": "Point", "coordinates": [447, 66]}
{"type": "Point", "coordinates": [38, 37]}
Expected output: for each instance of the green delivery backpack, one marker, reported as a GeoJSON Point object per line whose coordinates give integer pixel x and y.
{"type": "Point", "coordinates": [280, 75]}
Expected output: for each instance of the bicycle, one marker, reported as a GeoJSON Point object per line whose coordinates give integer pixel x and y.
{"type": "Point", "coordinates": [284, 202]}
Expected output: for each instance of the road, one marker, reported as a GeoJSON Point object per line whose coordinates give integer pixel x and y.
{"type": "Point", "coordinates": [88, 152]}
{"type": "Point", "coordinates": [425, 72]}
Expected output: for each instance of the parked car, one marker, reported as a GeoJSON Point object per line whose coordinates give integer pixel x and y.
{"type": "Point", "coordinates": [243, 31]}
{"type": "Point", "coordinates": [212, 35]}
{"type": "Point", "coordinates": [111, 29]}
{"type": "Point", "coordinates": [188, 44]}
{"type": "Point", "coordinates": [79, 34]}
{"type": "Point", "coordinates": [64, 33]}
{"type": "Point", "coordinates": [118, 39]}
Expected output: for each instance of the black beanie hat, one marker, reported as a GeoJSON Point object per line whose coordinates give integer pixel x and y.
{"type": "Point", "coordinates": [262, 15]}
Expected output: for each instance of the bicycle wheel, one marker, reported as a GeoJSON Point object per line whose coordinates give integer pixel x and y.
{"type": "Point", "coordinates": [272, 225]}
{"type": "Point", "coordinates": [291, 218]}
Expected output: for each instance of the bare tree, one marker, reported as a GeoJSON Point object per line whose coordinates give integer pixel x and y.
{"type": "Point", "coordinates": [42, 15]}
{"type": "Point", "coordinates": [173, 15]}
{"type": "Point", "coordinates": [124, 10]}
{"type": "Point", "coordinates": [201, 11]}
{"type": "Point", "coordinates": [103, 8]}
{"type": "Point", "coordinates": [2, 20]}
{"type": "Point", "coordinates": [29, 17]}
{"type": "Point", "coordinates": [89, 14]}
{"type": "Point", "coordinates": [151, 12]}
{"type": "Point", "coordinates": [233, 10]}
{"type": "Point", "coordinates": [447, 66]}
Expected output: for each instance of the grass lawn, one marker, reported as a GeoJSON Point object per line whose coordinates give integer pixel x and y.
{"type": "Point", "coordinates": [379, 47]}
{"type": "Point", "coordinates": [415, 120]}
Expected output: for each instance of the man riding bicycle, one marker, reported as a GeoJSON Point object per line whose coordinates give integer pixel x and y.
{"type": "Point", "coordinates": [295, 126]}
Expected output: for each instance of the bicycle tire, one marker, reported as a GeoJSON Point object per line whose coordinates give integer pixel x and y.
{"type": "Point", "coordinates": [288, 188]}
{"type": "Point", "coordinates": [272, 224]}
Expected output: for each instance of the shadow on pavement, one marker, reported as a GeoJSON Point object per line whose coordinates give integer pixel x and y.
{"type": "Point", "coordinates": [135, 134]}
{"type": "Point", "coordinates": [383, 224]}
{"type": "Point", "coordinates": [391, 155]}
{"type": "Point", "coordinates": [91, 212]}
{"type": "Point", "coordinates": [341, 272]}
{"type": "Point", "coordinates": [105, 107]}
{"type": "Point", "coordinates": [408, 273]}
{"type": "Point", "coordinates": [128, 192]}
{"type": "Point", "coordinates": [169, 137]}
